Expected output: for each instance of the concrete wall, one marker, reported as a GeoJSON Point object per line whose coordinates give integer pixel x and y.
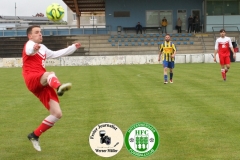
{"type": "Point", "coordinates": [114, 60]}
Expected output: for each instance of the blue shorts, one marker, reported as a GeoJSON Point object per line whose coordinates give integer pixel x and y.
{"type": "Point", "coordinates": [167, 64]}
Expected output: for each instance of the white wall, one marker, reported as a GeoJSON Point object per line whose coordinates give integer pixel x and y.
{"type": "Point", "coordinates": [114, 60]}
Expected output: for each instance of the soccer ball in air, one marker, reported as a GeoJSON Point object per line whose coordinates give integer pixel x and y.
{"type": "Point", "coordinates": [55, 12]}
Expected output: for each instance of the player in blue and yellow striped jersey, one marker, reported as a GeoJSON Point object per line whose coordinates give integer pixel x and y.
{"type": "Point", "coordinates": [167, 52]}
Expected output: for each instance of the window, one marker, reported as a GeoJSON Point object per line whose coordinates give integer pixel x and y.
{"type": "Point", "coordinates": [92, 17]}
{"type": "Point", "coordinates": [152, 18]}
{"type": "Point", "coordinates": [227, 7]}
{"type": "Point", "coordinates": [121, 14]}
{"type": "Point", "coordinates": [74, 17]}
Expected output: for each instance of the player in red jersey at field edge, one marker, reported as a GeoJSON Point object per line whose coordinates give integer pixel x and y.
{"type": "Point", "coordinates": [222, 47]}
{"type": "Point", "coordinates": [44, 85]}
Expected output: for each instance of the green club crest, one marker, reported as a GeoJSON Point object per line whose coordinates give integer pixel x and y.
{"type": "Point", "coordinates": [142, 139]}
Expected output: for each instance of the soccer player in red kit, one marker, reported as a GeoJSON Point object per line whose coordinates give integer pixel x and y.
{"type": "Point", "coordinates": [222, 47]}
{"type": "Point", "coordinates": [44, 85]}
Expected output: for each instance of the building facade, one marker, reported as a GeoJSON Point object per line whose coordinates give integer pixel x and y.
{"type": "Point", "coordinates": [213, 14]}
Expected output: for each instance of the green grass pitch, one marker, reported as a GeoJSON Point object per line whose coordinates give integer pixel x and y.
{"type": "Point", "coordinates": [197, 117]}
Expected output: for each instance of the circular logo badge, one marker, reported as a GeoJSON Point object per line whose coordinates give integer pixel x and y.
{"type": "Point", "coordinates": [106, 139]}
{"type": "Point", "coordinates": [142, 139]}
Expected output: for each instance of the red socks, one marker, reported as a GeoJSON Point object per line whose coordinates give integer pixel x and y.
{"type": "Point", "coordinates": [46, 124]}
{"type": "Point", "coordinates": [42, 128]}
{"type": "Point", "coordinates": [53, 81]}
{"type": "Point", "coordinates": [223, 73]}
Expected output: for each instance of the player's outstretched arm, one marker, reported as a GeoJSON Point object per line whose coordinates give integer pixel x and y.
{"type": "Point", "coordinates": [62, 52]}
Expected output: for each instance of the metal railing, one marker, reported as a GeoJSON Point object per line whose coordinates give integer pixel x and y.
{"type": "Point", "coordinates": [204, 46]}
{"type": "Point", "coordinates": [232, 28]}
{"type": "Point", "coordinates": [51, 30]}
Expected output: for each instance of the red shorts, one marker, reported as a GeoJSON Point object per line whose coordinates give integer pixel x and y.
{"type": "Point", "coordinates": [44, 93]}
{"type": "Point", "coordinates": [224, 60]}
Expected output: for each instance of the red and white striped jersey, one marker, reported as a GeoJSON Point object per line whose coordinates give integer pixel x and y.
{"type": "Point", "coordinates": [35, 63]}
{"type": "Point", "coordinates": [223, 46]}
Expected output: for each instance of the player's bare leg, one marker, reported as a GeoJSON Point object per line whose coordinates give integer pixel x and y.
{"type": "Point", "coordinates": [165, 75]}
{"type": "Point", "coordinates": [55, 109]}
{"type": "Point", "coordinates": [43, 79]}
{"type": "Point", "coordinates": [49, 78]}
